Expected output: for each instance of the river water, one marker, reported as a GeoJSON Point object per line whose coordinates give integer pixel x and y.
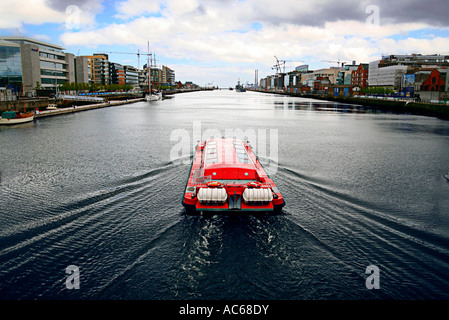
{"type": "Point", "coordinates": [100, 191]}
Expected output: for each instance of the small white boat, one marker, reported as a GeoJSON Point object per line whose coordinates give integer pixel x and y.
{"type": "Point", "coordinates": [13, 117]}
{"type": "Point", "coordinates": [153, 97]}
{"type": "Point", "coordinates": [52, 107]}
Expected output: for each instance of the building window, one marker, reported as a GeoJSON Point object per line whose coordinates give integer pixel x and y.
{"type": "Point", "coordinates": [51, 65]}
{"type": "Point", "coordinates": [52, 73]}
{"type": "Point", "coordinates": [10, 68]}
{"type": "Point", "coordinates": [50, 56]}
{"type": "Point", "coordinates": [52, 81]}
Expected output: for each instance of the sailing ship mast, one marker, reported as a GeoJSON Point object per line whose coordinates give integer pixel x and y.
{"type": "Point", "coordinates": [149, 69]}
{"type": "Point", "coordinates": [151, 96]}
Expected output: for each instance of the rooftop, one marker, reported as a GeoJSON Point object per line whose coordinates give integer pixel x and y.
{"type": "Point", "coordinates": [227, 159]}
{"type": "Point", "coordinates": [22, 40]}
{"type": "Point", "coordinates": [8, 43]}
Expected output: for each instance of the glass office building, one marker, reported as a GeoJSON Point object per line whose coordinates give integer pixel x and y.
{"type": "Point", "coordinates": [10, 66]}
{"type": "Point", "coordinates": [40, 65]}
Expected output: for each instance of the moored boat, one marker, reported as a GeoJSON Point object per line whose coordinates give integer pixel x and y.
{"type": "Point", "coordinates": [226, 176]}
{"type": "Point", "coordinates": [154, 96]}
{"type": "Point", "coordinates": [13, 117]}
{"type": "Point", "coordinates": [239, 87]}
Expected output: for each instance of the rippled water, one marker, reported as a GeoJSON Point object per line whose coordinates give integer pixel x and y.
{"type": "Point", "coordinates": [101, 190]}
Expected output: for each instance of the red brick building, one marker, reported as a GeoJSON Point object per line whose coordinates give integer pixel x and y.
{"type": "Point", "coordinates": [435, 82]}
{"type": "Point", "coordinates": [120, 76]}
{"type": "Point", "coordinates": [359, 77]}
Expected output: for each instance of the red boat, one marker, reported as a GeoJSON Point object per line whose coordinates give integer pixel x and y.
{"type": "Point", "coordinates": [226, 176]}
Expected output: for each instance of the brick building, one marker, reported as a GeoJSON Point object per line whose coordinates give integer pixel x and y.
{"type": "Point", "coordinates": [359, 77]}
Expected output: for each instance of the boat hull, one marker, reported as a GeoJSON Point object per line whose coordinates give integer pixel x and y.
{"type": "Point", "coordinates": [5, 121]}
{"type": "Point", "coordinates": [194, 210]}
{"type": "Point", "coordinates": [153, 97]}
{"type": "Point", "coordinates": [226, 177]}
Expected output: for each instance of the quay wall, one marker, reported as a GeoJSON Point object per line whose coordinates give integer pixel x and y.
{"type": "Point", "coordinates": [77, 108]}
{"type": "Point", "coordinates": [426, 109]}
{"type": "Point", "coordinates": [42, 103]}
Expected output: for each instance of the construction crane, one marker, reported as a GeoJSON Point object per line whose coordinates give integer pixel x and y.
{"type": "Point", "coordinates": [277, 66]}
{"type": "Point", "coordinates": [138, 55]}
{"type": "Point", "coordinates": [280, 63]}
{"type": "Point", "coordinates": [337, 62]}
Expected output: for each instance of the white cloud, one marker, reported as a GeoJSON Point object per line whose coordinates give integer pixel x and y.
{"type": "Point", "coordinates": [212, 34]}
{"type": "Point", "coordinates": [131, 8]}
{"type": "Point", "coordinates": [221, 30]}
{"type": "Point", "coordinates": [181, 7]}
{"type": "Point", "coordinates": [42, 37]}
{"type": "Point", "coordinates": [14, 13]}
{"type": "Point", "coordinates": [222, 75]}
{"type": "Point", "coordinates": [413, 45]}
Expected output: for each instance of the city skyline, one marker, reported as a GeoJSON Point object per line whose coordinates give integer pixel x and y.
{"type": "Point", "coordinates": [221, 42]}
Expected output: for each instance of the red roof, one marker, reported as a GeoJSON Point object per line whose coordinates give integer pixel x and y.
{"type": "Point", "coordinates": [227, 159]}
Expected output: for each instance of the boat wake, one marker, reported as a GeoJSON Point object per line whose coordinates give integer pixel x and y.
{"type": "Point", "coordinates": [357, 232]}
{"type": "Point", "coordinates": [131, 240]}
{"type": "Point", "coordinates": [87, 229]}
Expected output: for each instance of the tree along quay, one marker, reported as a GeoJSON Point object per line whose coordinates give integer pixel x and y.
{"type": "Point", "coordinates": [417, 108]}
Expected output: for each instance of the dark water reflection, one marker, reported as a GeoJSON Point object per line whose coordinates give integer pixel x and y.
{"type": "Point", "coordinates": [100, 190]}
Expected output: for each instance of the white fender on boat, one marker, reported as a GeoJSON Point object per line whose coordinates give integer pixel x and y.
{"type": "Point", "coordinates": [251, 195]}
{"type": "Point", "coordinates": [212, 195]}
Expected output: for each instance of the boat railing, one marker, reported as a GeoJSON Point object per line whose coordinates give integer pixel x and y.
{"type": "Point", "coordinates": [199, 177]}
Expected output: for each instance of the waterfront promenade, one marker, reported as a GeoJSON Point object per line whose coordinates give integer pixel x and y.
{"type": "Point", "coordinates": [59, 111]}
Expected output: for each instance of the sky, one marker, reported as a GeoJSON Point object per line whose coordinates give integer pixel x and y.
{"type": "Point", "coordinates": [221, 42]}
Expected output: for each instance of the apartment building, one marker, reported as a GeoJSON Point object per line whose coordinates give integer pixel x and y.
{"type": "Point", "coordinates": [388, 71]}
{"type": "Point", "coordinates": [415, 60]}
{"type": "Point", "coordinates": [28, 64]}
{"type": "Point", "coordinates": [82, 70]}
{"type": "Point", "coordinates": [359, 77]}
{"type": "Point", "coordinates": [345, 74]}
{"type": "Point", "coordinates": [385, 76]}
{"type": "Point", "coordinates": [116, 73]}
{"type": "Point", "coordinates": [168, 76]}
{"type": "Point", "coordinates": [99, 68]}
{"type": "Point", "coordinates": [131, 76]}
